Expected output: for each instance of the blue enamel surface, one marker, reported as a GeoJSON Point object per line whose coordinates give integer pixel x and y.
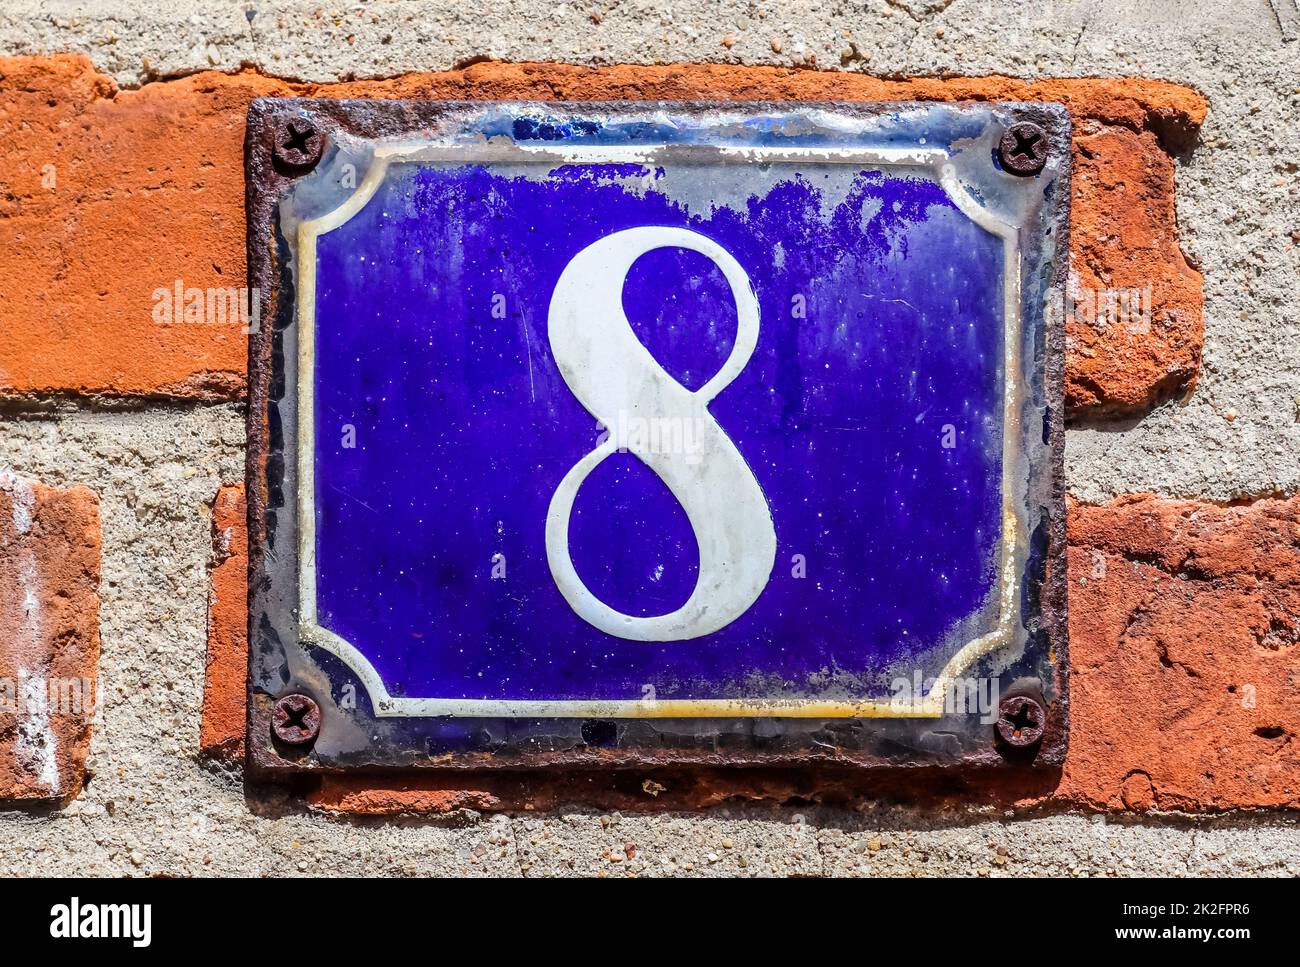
{"type": "Point", "coordinates": [880, 340]}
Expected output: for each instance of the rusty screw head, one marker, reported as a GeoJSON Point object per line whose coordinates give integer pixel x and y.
{"type": "Point", "coordinates": [295, 720]}
{"type": "Point", "coordinates": [1021, 720]}
{"type": "Point", "coordinates": [1023, 148]}
{"type": "Point", "coordinates": [298, 144]}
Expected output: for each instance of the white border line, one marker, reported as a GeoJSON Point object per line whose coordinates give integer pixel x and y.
{"type": "Point", "coordinates": [385, 705]}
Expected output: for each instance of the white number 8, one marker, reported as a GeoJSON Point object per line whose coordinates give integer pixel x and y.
{"type": "Point", "coordinates": [612, 374]}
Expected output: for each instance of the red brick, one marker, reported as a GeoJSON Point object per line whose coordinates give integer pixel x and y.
{"type": "Point", "coordinates": [1184, 665]}
{"type": "Point", "coordinates": [150, 190]}
{"type": "Point", "coordinates": [49, 637]}
{"type": "Point", "coordinates": [225, 683]}
{"type": "Point", "coordinates": [1125, 239]}
{"type": "Point", "coordinates": [425, 795]}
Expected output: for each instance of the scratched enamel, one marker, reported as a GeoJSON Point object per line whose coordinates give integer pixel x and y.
{"type": "Point", "coordinates": [880, 338]}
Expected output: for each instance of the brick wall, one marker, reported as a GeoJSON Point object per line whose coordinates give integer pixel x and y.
{"type": "Point", "coordinates": [1183, 612]}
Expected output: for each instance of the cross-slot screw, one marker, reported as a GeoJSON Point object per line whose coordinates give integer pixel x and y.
{"type": "Point", "coordinates": [298, 144]}
{"type": "Point", "coordinates": [1021, 720]}
{"type": "Point", "coordinates": [1023, 149]}
{"type": "Point", "coordinates": [295, 720]}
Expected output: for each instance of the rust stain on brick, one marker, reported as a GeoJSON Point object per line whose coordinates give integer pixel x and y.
{"type": "Point", "coordinates": [147, 189]}
{"type": "Point", "coordinates": [346, 794]}
{"type": "Point", "coordinates": [659, 790]}
{"type": "Point", "coordinates": [1185, 678]}
{"type": "Point", "coordinates": [225, 685]}
{"type": "Point", "coordinates": [49, 637]}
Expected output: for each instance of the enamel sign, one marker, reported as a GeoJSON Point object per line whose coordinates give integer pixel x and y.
{"type": "Point", "coordinates": [659, 428]}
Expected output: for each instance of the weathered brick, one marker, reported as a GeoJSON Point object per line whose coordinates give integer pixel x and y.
{"type": "Point", "coordinates": [1134, 330]}
{"type": "Point", "coordinates": [1184, 665]}
{"type": "Point", "coordinates": [225, 681]}
{"type": "Point", "coordinates": [148, 190]}
{"type": "Point", "coordinates": [49, 637]}
{"type": "Point", "coordinates": [372, 796]}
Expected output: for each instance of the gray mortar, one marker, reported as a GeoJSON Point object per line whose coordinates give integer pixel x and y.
{"type": "Point", "coordinates": [151, 807]}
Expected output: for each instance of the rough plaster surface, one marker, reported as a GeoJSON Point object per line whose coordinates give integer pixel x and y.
{"type": "Point", "coordinates": [151, 807]}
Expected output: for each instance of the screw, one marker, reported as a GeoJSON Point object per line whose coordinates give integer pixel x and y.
{"type": "Point", "coordinates": [1023, 148]}
{"type": "Point", "coordinates": [295, 720]}
{"type": "Point", "coordinates": [1021, 720]}
{"type": "Point", "coordinates": [298, 144]}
